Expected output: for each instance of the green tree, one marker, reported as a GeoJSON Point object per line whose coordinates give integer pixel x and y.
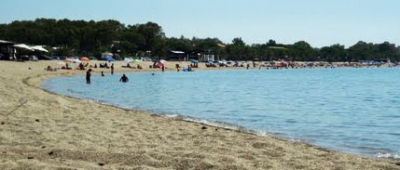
{"type": "Point", "coordinates": [361, 51]}
{"type": "Point", "coordinates": [302, 51]}
{"type": "Point", "coordinates": [335, 52]}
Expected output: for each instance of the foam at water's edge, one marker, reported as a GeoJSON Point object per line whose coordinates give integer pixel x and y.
{"type": "Point", "coordinates": [387, 155]}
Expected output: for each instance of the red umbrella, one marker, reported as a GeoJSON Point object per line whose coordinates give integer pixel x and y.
{"type": "Point", "coordinates": [85, 59]}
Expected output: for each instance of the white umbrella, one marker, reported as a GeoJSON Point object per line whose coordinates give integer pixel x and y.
{"type": "Point", "coordinates": [23, 46]}
{"type": "Point", "coordinates": [5, 42]}
{"type": "Point", "coordinates": [39, 48]}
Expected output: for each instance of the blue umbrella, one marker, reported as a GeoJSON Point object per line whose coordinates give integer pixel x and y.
{"type": "Point", "coordinates": [109, 59]}
{"type": "Point", "coordinates": [1, 55]}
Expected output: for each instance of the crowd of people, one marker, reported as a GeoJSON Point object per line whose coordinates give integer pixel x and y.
{"type": "Point", "coordinates": [84, 66]}
{"type": "Point", "coordinates": [247, 65]}
{"type": "Point", "coordinates": [123, 78]}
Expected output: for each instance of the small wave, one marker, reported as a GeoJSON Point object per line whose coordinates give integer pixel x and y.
{"type": "Point", "coordinates": [76, 92]}
{"type": "Point", "coordinates": [394, 134]}
{"type": "Point", "coordinates": [268, 133]}
{"type": "Point", "coordinates": [387, 155]}
{"type": "Point", "coordinates": [375, 152]}
{"type": "Point", "coordinates": [391, 116]}
{"type": "Point", "coordinates": [291, 121]}
{"type": "Point", "coordinates": [172, 115]}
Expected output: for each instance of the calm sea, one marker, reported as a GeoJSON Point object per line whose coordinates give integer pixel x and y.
{"type": "Point", "coordinates": [354, 110]}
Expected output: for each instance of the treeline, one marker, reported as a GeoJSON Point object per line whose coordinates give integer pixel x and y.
{"type": "Point", "coordinates": [79, 37]}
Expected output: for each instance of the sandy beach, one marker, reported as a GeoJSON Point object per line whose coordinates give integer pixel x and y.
{"type": "Point", "coordinates": [42, 130]}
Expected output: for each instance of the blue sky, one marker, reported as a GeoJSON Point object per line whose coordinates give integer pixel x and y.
{"type": "Point", "coordinates": [318, 22]}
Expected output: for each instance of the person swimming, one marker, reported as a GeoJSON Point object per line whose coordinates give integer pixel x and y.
{"type": "Point", "coordinates": [124, 79]}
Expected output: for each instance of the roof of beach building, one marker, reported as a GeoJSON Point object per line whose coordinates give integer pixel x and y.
{"type": "Point", "coordinates": [221, 45]}
{"type": "Point", "coordinates": [5, 42]}
{"type": "Point", "coordinates": [177, 52]}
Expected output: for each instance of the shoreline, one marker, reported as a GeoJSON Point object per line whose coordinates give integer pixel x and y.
{"type": "Point", "coordinates": [56, 131]}
{"type": "Point", "coordinates": [233, 127]}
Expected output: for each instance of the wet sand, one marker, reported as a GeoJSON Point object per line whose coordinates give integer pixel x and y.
{"type": "Point", "coordinates": [42, 130]}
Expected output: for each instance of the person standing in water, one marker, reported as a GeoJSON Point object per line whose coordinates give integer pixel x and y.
{"type": "Point", "coordinates": [124, 79]}
{"type": "Point", "coordinates": [112, 68]}
{"type": "Point", "coordinates": [88, 74]}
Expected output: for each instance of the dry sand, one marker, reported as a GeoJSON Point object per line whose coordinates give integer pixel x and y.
{"type": "Point", "coordinates": [41, 130]}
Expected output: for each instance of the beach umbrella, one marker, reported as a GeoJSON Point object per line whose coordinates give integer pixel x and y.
{"type": "Point", "coordinates": [85, 59]}
{"type": "Point", "coordinates": [128, 60]}
{"type": "Point", "coordinates": [23, 46]}
{"type": "Point", "coordinates": [5, 42]}
{"type": "Point", "coordinates": [109, 59]}
{"type": "Point", "coordinates": [39, 48]}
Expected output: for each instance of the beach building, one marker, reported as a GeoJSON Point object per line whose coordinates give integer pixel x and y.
{"type": "Point", "coordinates": [177, 56]}
{"type": "Point", "coordinates": [7, 50]}
{"type": "Point", "coordinates": [12, 51]}
{"type": "Point", "coordinates": [204, 55]}
{"type": "Point", "coordinates": [208, 55]}
{"type": "Point", "coordinates": [200, 55]}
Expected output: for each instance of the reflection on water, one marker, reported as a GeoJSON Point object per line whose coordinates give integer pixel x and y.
{"type": "Point", "coordinates": [351, 110]}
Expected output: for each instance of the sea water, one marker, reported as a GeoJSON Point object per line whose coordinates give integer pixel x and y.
{"type": "Point", "coordinates": [354, 110]}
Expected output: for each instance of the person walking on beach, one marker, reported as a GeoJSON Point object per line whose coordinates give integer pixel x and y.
{"type": "Point", "coordinates": [112, 68]}
{"type": "Point", "coordinates": [124, 79]}
{"type": "Point", "coordinates": [88, 74]}
{"type": "Point", "coordinates": [162, 67]}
